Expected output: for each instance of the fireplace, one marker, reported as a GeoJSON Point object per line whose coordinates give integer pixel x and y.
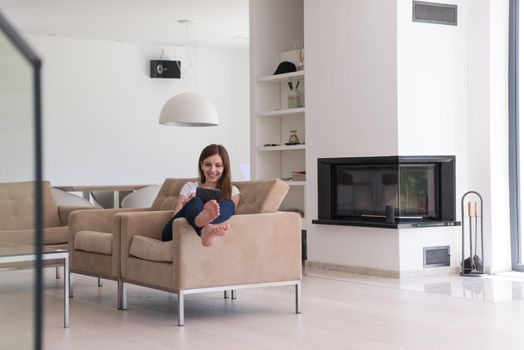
{"type": "Point", "coordinates": [391, 192]}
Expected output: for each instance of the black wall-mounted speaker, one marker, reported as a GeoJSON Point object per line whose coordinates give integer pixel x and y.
{"type": "Point", "coordinates": [165, 69]}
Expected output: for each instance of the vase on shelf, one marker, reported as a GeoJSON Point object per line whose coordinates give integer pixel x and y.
{"type": "Point", "coordinates": [293, 99]}
{"type": "Point", "coordinates": [293, 138]}
{"type": "Point", "coordinates": [293, 96]}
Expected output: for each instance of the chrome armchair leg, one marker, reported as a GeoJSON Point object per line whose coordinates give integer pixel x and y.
{"type": "Point", "coordinates": [57, 272]}
{"type": "Point", "coordinates": [233, 294]}
{"type": "Point", "coordinates": [298, 298]}
{"type": "Point", "coordinates": [99, 282]}
{"type": "Point", "coordinates": [122, 295]}
{"type": "Point", "coordinates": [180, 295]}
{"type": "Point", "coordinates": [226, 294]}
{"type": "Point", "coordinates": [66, 292]}
{"type": "Point", "coordinates": [70, 284]}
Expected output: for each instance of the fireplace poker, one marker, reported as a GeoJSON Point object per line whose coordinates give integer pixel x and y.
{"type": "Point", "coordinates": [476, 259]}
{"type": "Point", "coordinates": [470, 214]}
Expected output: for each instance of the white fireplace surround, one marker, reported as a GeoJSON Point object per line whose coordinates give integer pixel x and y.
{"type": "Point", "coordinates": [399, 87]}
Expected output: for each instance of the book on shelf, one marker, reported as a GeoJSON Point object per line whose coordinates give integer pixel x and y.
{"type": "Point", "coordinates": [298, 175]}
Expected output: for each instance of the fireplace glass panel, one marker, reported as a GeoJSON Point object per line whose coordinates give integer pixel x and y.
{"type": "Point", "coordinates": [418, 186]}
{"type": "Point", "coordinates": [367, 190]}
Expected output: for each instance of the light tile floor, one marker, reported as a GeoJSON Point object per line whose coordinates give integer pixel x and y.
{"type": "Point", "coordinates": [339, 312]}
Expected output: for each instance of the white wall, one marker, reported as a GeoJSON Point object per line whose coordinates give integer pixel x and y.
{"type": "Point", "coordinates": [432, 112]}
{"type": "Point", "coordinates": [101, 111]}
{"type": "Point", "coordinates": [351, 101]}
{"type": "Point", "coordinates": [488, 123]}
{"type": "Point", "coordinates": [478, 108]}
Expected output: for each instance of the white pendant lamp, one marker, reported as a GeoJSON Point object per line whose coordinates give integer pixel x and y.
{"type": "Point", "coordinates": [188, 109]}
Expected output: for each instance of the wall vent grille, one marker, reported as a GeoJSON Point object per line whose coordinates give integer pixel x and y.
{"type": "Point", "coordinates": [436, 256]}
{"type": "Point", "coordinates": [429, 12]}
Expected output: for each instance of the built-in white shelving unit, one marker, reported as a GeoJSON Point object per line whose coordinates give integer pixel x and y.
{"type": "Point", "coordinates": [272, 117]}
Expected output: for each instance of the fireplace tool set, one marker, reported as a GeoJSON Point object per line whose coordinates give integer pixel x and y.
{"type": "Point", "coordinates": [473, 266]}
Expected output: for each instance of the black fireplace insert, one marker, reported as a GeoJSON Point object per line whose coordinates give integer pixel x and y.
{"type": "Point", "coordinates": [392, 192]}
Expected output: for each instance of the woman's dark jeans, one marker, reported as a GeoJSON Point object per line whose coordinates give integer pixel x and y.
{"type": "Point", "coordinates": [190, 211]}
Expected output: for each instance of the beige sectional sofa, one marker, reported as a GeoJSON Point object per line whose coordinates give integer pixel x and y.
{"type": "Point", "coordinates": [262, 248]}
{"type": "Point", "coordinates": [17, 215]}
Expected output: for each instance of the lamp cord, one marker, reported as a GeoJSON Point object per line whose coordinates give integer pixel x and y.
{"type": "Point", "coordinates": [191, 51]}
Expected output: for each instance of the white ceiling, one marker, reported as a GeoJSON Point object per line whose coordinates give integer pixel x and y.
{"type": "Point", "coordinates": [217, 23]}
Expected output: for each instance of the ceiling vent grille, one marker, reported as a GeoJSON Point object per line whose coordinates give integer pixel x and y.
{"type": "Point", "coordinates": [429, 12]}
{"type": "Point", "coordinates": [436, 256]}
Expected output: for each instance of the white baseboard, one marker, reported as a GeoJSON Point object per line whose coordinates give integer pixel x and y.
{"type": "Point", "coordinates": [436, 271]}
{"type": "Point", "coordinates": [351, 269]}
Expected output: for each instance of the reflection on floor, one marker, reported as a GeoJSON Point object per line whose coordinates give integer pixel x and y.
{"type": "Point", "coordinates": [493, 288]}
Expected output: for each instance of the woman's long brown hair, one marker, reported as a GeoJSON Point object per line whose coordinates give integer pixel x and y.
{"type": "Point", "coordinates": [224, 183]}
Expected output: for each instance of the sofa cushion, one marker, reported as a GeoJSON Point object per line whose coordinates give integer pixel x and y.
{"type": "Point", "coordinates": [262, 196]}
{"type": "Point", "coordinates": [52, 236]}
{"type": "Point", "coordinates": [151, 249]}
{"type": "Point", "coordinates": [17, 237]}
{"type": "Point", "coordinates": [17, 205]}
{"type": "Point", "coordinates": [92, 241]}
{"type": "Point", "coordinates": [168, 193]}
{"type": "Point", "coordinates": [56, 235]}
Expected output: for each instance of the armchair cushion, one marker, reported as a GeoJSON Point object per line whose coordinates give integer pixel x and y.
{"type": "Point", "coordinates": [151, 249]}
{"type": "Point", "coordinates": [52, 235]}
{"type": "Point", "coordinates": [262, 196]}
{"type": "Point", "coordinates": [92, 241]}
{"type": "Point", "coordinates": [168, 194]}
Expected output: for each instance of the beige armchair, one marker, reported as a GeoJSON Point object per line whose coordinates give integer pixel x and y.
{"type": "Point", "coordinates": [94, 236]}
{"type": "Point", "coordinates": [262, 248]}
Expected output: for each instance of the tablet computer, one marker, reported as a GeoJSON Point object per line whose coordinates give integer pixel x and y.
{"type": "Point", "coordinates": [207, 194]}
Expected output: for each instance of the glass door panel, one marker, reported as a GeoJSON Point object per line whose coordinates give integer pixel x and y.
{"type": "Point", "coordinates": [516, 135]}
{"type": "Point", "coordinates": [20, 297]}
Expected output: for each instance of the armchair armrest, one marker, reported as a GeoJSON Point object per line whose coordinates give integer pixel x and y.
{"type": "Point", "coordinates": [258, 248]}
{"type": "Point", "coordinates": [148, 224]}
{"type": "Point", "coordinates": [64, 210]}
{"type": "Point", "coordinates": [100, 220]}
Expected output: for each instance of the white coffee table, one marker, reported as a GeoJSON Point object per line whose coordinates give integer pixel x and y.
{"type": "Point", "coordinates": [16, 254]}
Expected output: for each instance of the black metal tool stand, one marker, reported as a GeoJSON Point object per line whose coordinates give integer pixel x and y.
{"type": "Point", "coordinates": [473, 266]}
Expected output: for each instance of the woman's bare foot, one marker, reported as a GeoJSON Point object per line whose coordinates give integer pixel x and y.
{"type": "Point", "coordinates": [210, 232]}
{"type": "Point", "coordinates": [211, 212]}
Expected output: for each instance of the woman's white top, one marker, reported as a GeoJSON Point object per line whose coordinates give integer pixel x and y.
{"type": "Point", "coordinates": [190, 188]}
